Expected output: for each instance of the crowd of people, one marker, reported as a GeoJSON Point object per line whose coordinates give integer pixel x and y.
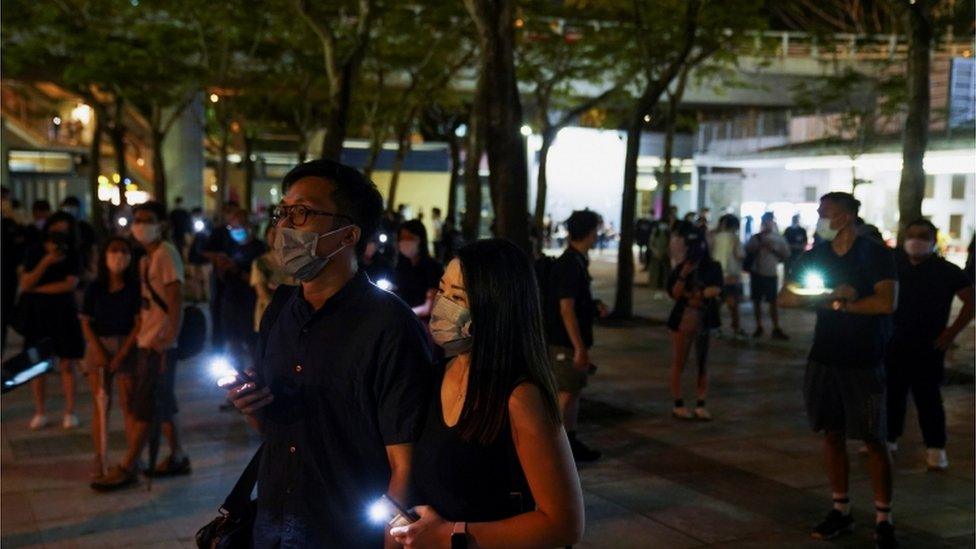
{"type": "Point", "coordinates": [376, 360]}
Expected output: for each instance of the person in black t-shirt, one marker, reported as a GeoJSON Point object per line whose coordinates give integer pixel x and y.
{"type": "Point", "coordinates": [916, 354]}
{"type": "Point", "coordinates": [569, 312]}
{"type": "Point", "coordinates": [493, 462]}
{"type": "Point", "coordinates": [48, 309]}
{"type": "Point", "coordinates": [796, 237]}
{"type": "Point", "coordinates": [109, 320]}
{"type": "Point", "coordinates": [181, 224]}
{"type": "Point", "coordinates": [216, 250]}
{"type": "Point", "coordinates": [851, 282]}
{"type": "Point", "coordinates": [416, 274]}
{"type": "Point", "coordinates": [695, 286]}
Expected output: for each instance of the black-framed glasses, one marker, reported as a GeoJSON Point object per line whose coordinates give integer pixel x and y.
{"type": "Point", "coordinates": [298, 214]}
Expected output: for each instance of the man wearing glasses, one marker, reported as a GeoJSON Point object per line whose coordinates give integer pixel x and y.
{"type": "Point", "coordinates": [341, 381]}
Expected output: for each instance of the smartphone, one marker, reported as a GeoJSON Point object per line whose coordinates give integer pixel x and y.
{"type": "Point", "coordinates": [403, 517]}
{"type": "Point", "coordinates": [226, 382]}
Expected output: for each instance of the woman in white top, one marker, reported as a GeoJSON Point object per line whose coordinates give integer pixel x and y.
{"type": "Point", "coordinates": [727, 250]}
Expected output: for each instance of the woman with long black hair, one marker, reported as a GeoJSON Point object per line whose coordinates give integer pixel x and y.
{"type": "Point", "coordinates": [417, 274]}
{"type": "Point", "coordinates": [110, 322]}
{"type": "Point", "coordinates": [493, 467]}
{"type": "Point", "coordinates": [48, 310]}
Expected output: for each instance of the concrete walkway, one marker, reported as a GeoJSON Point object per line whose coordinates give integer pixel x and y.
{"type": "Point", "coordinates": [752, 477]}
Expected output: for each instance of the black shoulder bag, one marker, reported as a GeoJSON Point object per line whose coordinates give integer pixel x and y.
{"type": "Point", "coordinates": [193, 329]}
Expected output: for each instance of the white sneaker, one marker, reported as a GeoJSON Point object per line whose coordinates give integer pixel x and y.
{"type": "Point", "coordinates": [39, 421]}
{"type": "Point", "coordinates": [70, 421]}
{"type": "Point", "coordinates": [702, 413]}
{"type": "Point", "coordinates": [936, 459]}
{"type": "Point", "coordinates": [681, 412]}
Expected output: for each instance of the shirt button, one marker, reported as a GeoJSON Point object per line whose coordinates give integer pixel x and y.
{"type": "Point", "coordinates": [292, 449]}
{"type": "Point", "coordinates": [298, 368]}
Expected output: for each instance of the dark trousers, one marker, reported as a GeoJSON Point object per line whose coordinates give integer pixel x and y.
{"type": "Point", "coordinates": [920, 373]}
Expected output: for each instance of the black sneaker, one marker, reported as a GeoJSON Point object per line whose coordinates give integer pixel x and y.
{"type": "Point", "coordinates": [780, 335]}
{"type": "Point", "coordinates": [583, 453]}
{"type": "Point", "coordinates": [884, 536]}
{"type": "Point", "coordinates": [835, 524]}
{"type": "Point", "coordinates": [170, 468]}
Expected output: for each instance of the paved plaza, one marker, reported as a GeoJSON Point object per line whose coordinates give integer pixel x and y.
{"type": "Point", "coordinates": [752, 477]}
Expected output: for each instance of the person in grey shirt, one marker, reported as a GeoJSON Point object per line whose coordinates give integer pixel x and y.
{"type": "Point", "coordinates": [768, 249]}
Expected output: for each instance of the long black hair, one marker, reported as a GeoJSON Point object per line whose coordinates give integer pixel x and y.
{"type": "Point", "coordinates": [130, 275]}
{"type": "Point", "coordinates": [509, 346]}
{"type": "Point", "coordinates": [416, 228]}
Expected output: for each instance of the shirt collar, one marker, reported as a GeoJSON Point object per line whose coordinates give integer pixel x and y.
{"type": "Point", "coordinates": [346, 295]}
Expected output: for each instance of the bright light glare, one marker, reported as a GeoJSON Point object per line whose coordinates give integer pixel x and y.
{"type": "Point", "coordinates": [28, 374]}
{"type": "Point", "coordinates": [198, 226]}
{"type": "Point", "coordinates": [214, 98]}
{"type": "Point", "coordinates": [384, 284]}
{"type": "Point", "coordinates": [383, 238]}
{"type": "Point", "coordinates": [380, 512]}
{"type": "Point", "coordinates": [221, 368]}
{"type": "Point", "coordinates": [123, 222]}
{"type": "Point", "coordinates": [814, 281]}
{"type": "Point", "coordinates": [526, 130]}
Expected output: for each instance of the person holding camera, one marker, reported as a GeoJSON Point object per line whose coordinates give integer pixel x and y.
{"type": "Point", "coordinates": [695, 286]}
{"type": "Point", "coordinates": [342, 373]}
{"type": "Point", "coordinates": [48, 309]}
{"type": "Point", "coordinates": [569, 312]}
{"type": "Point", "coordinates": [852, 282]}
{"type": "Point", "coordinates": [493, 465]}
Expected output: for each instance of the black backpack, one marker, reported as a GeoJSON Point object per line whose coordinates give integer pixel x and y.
{"type": "Point", "coordinates": [193, 332]}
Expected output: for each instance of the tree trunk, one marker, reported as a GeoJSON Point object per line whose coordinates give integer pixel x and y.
{"type": "Point", "coordinates": [302, 142]}
{"type": "Point", "coordinates": [471, 223]}
{"type": "Point", "coordinates": [337, 121]}
{"type": "Point", "coordinates": [672, 121]}
{"type": "Point", "coordinates": [455, 148]}
{"type": "Point", "coordinates": [542, 180]}
{"type": "Point", "coordinates": [375, 147]}
{"type": "Point", "coordinates": [117, 132]}
{"type": "Point", "coordinates": [403, 145]}
{"type": "Point", "coordinates": [911, 191]}
{"type": "Point", "coordinates": [101, 224]}
{"type": "Point", "coordinates": [159, 171]}
{"type": "Point", "coordinates": [222, 171]}
{"type": "Point", "coordinates": [248, 173]}
{"type": "Point", "coordinates": [624, 301]}
{"type": "Point", "coordinates": [502, 110]}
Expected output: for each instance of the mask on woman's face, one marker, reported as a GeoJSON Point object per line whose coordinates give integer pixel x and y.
{"type": "Point", "coordinates": [450, 326]}
{"type": "Point", "coordinates": [409, 248]}
{"type": "Point", "coordinates": [117, 262]}
{"type": "Point", "coordinates": [239, 234]}
{"type": "Point", "coordinates": [917, 248]}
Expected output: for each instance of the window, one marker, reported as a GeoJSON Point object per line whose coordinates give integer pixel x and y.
{"type": "Point", "coordinates": [959, 186]}
{"type": "Point", "coordinates": [955, 225]}
{"type": "Point", "coordinates": [929, 186]}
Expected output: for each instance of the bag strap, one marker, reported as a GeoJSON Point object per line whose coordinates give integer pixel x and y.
{"type": "Point", "coordinates": [237, 502]}
{"type": "Point", "coordinates": [152, 291]}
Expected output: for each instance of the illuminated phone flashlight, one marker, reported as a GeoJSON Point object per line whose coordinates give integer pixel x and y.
{"type": "Point", "coordinates": [222, 370]}
{"type": "Point", "coordinates": [387, 510]}
{"type": "Point", "coordinates": [198, 226]}
{"type": "Point", "coordinates": [123, 222]}
{"type": "Point", "coordinates": [383, 238]}
{"type": "Point", "coordinates": [812, 284]}
{"type": "Point", "coordinates": [384, 284]}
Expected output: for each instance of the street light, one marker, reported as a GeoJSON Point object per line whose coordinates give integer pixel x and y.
{"type": "Point", "coordinates": [214, 98]}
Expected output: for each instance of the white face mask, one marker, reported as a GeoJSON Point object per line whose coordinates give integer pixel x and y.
{"type": "Point", "coordinates": [450, 326]}
{"type": "Point", "coordinates": [409, 248]}
{"type": "Point", "coordinates": [117, 262]}
{"type": "Point", "coordinates": [295, 252]}
{"type": "Point", "coordinates": [824, 231]}
{"type": "Point", "coordinates": [146, 233]}
{"type": "Point", "coordinates": [917, 248]}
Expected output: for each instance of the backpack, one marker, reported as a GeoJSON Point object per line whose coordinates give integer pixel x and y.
{"type": "Point", "coordinates": [543, 269]}
{"type": "Point", "coordinates": [193, 332]}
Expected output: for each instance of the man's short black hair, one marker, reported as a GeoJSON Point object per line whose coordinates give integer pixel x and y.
{"type": "Point", "coordinates": [41, 206]}
{"type": "Point", "coordinates": [70, 201]}
{"type": "Point", "coordinates": [581, 223]}
{"type": "Point", "coordinates": [922, 222]}
{"type": "Point", "coordinates": [153, 206]}
{"type": "Point", "coordinates": [768, 216]}
{"type": "Point", "coordinates": [355, 196]}
{"type": "Point", "coordinates": [844, 200]}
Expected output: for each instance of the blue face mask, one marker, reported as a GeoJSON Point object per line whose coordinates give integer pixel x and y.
{"type": "Point", "coordinates": [239, 234]}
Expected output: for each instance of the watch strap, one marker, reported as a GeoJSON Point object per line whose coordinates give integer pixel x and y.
{"type": "Point", "coordinates": [459, 536]}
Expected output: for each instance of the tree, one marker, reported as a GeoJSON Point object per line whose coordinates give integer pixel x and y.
{"type": "Point", "coordinates": [501, 111]}
{"type": "Point", "coordinates": [343, 33]}
{"type": "Point", "coordinates": [442, 121]}
{"type": "Point", "coordinates": [558, 49]}
{"type": "Point", "coordinates": [668, 36]}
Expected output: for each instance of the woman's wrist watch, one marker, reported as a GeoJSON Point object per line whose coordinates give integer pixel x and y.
{"type": "Point", "coordinates": [459, 536]}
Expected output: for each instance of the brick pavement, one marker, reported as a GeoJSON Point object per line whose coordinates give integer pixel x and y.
{"type": "Point", "coordinates": [752, 477]}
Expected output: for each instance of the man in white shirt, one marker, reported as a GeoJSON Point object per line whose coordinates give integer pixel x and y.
{"type": "Point", "coordinates": [153, 381]}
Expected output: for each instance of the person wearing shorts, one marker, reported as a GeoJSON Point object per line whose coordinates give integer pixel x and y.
{"type": "Point", "coordinates": [844, 386]}
{"type": "Point", "coordinates": [769, 250]}
{"type": "Point", "coordinates": [153, 396]}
